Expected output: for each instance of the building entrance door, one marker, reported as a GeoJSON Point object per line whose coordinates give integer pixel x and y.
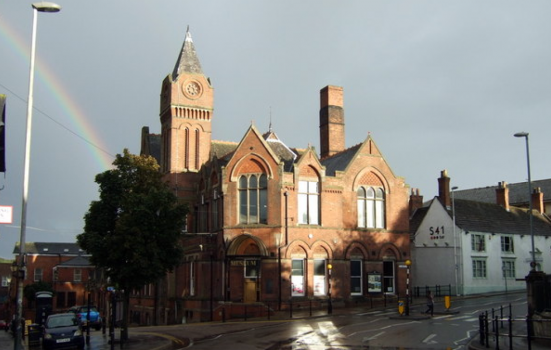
{"type": "Point", "coordinates": [250, 291]}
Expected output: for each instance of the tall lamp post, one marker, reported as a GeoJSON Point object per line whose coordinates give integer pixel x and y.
{"type": "Point", "coordinates": [525, 135]}
{"type": "Point", "coordinates": [37, 7]}
{"type": "Point", "coordinates": [455, 260]}
{"type": "Point", "coordinates": [408, 264]}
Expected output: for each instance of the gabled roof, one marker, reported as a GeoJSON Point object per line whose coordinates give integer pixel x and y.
{"type": "Point", "coordinates": [283, 152]}
{"type": "Point", "coordinates": [221, 149]}
{"type": "Point", "coordinates": [339, 161]}
{"type": "Point", "coordinates": [49, 248]}
{"type": "Point", "coordinates": [488, 217]}
{"type": "Point", "coordinates": [518, 192]}
{"type": "Point", "coordinates": [188, 61]}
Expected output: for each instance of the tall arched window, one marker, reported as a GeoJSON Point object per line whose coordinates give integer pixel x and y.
{"type": "Point", "coordinates": [253, 199]}
{"type": "Point", "coordinates": [308, 202]}
{"type": "Point", "coordinates": [371, 207]}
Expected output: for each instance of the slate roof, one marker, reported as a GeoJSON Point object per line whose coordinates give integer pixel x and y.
{"type": "Point", "coordinates": [281, 150]}
{"type": "Point", "coordinates": [222, 149]}
{"type": "Point", "coordinates": [187, 60]}
{"type": "Point", "coordinates": [491, 218]}
{"type": "Point", "coordinates": [518, 192]}
{"type": "Point", "coordinates": [79, 261]}
{"type": "Point", "coordinates": [49, 248]}
{"type": "Point", "coordinates": [339, 161]}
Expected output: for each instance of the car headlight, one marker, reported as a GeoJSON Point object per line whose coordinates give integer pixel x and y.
{"type": "Point", "coordinates": [47, 336]}
{"type": "Point", "coordinates": [78, 332]}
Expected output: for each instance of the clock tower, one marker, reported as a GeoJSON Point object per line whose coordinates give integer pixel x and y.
{"type": "Point", "coordinates": [187, 99]}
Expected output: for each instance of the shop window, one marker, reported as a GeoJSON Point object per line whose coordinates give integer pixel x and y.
{"type": "Point", "coordinates": [320, 282]}
{"type": "Point", "coordinates": [297, 277]}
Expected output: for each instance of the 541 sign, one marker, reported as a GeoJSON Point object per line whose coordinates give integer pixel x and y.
{"type": "Point", "coordinates": [436, 232]}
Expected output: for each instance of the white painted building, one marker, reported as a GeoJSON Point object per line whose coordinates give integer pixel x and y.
{"type": "Point", "coordinates": [488, 249]}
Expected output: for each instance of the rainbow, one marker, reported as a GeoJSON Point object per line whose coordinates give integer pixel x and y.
{"type": "Point", "coordinates": [81, 123]}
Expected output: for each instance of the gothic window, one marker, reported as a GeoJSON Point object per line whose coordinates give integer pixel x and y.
{"type": "Point", "coordinates": [308, 202]}
{"type": "Point", "coordinates": [253, 199]}
{"type": "Point", "coordinates": [371, 207]}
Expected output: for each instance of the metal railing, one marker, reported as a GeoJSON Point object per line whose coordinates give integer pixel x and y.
{"type": "Point", "coordinates": [497, 330]}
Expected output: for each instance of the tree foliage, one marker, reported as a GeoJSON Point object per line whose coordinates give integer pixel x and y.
{"type": "Point", "coordinates": [132, 231]}
{"type": "Point", "coordinates": [30, 290]}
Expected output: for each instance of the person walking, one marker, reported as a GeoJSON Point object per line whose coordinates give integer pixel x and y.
{"type": "Point", "coordinates": [430, 303]}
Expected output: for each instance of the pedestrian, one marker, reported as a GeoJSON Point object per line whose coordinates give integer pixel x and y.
{"type": "Point", "coordinates": [430, 303]}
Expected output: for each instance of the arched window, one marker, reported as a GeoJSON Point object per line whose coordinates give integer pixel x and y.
{"type": "Point", "coordinates": [308, 202]}
{"type": "Point", "coordinates": [253, 199]}
{"type": "Point", "coordinates": [371, 207]}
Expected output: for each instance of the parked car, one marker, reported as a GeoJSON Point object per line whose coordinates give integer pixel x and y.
{"type": "Point", "coordinates": [82, 313]}
{"type": "Point", "coordinates": [4, 325]}
{"type": "Point", "coordinates": [62, 331]}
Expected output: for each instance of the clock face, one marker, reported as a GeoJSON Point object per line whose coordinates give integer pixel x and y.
{"type": "Point", "coordinates": [192, 89]}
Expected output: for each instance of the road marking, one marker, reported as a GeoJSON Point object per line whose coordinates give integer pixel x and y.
{"type": "Point", "coordinates": [428, 340]}
{"type": "Point", "coordinates": [365, 339]}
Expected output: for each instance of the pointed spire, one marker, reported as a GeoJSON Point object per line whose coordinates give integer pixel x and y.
{"type": "Point", "coordinates": [187, 60]}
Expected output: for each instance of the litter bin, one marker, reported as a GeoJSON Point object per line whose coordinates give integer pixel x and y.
{"type": "Point", "coordinates": [34, 332]}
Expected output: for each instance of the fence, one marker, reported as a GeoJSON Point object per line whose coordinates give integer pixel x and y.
{"type": "Point", "coordinates": [496, 330]}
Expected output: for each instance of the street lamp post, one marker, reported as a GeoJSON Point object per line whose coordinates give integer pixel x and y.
{"type": "Point", "coordinates": [408, 264]}
{"type": "Point", "coordinates": [330, 303]}
{"type": "Point", "coordinates": [37, 7]}
{"type": "Point", "coordinates": [525, 135]}
{"type": "Point", "coordinates": [455, 260]}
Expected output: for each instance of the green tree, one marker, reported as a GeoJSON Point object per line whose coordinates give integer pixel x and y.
{"type": "Point", "coordinates": [30, 290]}
{"type": "Point", "coordinates": [132, 232]}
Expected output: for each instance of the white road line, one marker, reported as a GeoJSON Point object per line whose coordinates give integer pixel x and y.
{"type": "Point", "coordinates": [372, 337]}
{"type": "Point", "coordinates": [428, 340]}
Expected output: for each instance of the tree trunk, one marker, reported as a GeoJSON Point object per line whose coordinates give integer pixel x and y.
{"type": "Point", "coordinates": [125, 310]}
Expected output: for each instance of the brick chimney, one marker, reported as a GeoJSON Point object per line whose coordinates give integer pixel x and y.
{"type": "Point", "coordinates": [415, 201]}
{"type": "Point", "coordinates": [444, 189]}
{"type": "Point", "coordinates": [502, 195]}
{"type": "Point", "coordinates": [537, 199]}
{"type": "Point", "coordinates": [331, 121]}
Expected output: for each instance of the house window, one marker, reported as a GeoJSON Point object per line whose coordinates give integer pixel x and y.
{"type": "Point", "coordinates": [308, 202]}
{"type": "Point", "coordinates": [388, 277]}
{"type": "Point", "coordinates": [478, 244]}
{"type": "Point", "coordinates": [252, 199]}
{"type": "Point", "coordinates": [371, 207]}
{"type": "Point", "coordinates": [319, 277]}
{"type": "Point", "coordinates": [508, 268]}
{"type": "Point", "coordinates": [37, 275]}
{"type": "Point", "coordinates": [5, 281]}
{"type": "Point", "coordinates": [507, 244]}
{"type": "Point", "coordinates": [297, 277]}
{"type": "Point", "coordinates": [356, 277]}
{"type": "Point", "coordinates": [77, 275]}
{"type": "Point", "coordinates": [479, 268]}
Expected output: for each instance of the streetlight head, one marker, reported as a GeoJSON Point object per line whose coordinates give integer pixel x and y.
{"type": "Point", "coordinates": [521, 134]}
{"type": "Point", "coordinates": [45, 6]}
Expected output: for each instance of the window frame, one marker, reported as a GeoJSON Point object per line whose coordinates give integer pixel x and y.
{"type": "Point", "coordinates": [507, 244]}
{"type": "Point", "coordinates": [508, 268]}
{"type": "Point", "coordinates": [247, 193]}
{"type": "Point", "coordinates": [478, 243]}
{"type": "Point", "coordinates": [38, 274]}
{"type": "Point", "coordinates": [320, 277]}
{"type": "Point", "coordinates": [298, 287]}
{"type": "Point", "coordinates": [358, 278]}
{"type": "Point", "coordinates": [77, 275]}
{"type": "Point", "coordinates": [371, 207]}
{"type": "Point", "coordinates": [480, 268]}
{"type": "Point", "coordinates": [309, 202]}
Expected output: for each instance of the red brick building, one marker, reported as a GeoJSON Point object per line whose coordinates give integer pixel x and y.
{"type": "Point", "coordinates": [63, 265]}
{"type": "Point", "coordinates": [270, 223]}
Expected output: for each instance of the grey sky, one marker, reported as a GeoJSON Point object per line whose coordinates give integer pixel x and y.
{"type": "Point", "coordinates": [439, 84]}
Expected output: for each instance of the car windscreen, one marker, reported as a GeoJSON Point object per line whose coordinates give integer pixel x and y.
{"type": "Point", "coordinates": [62, 321]}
